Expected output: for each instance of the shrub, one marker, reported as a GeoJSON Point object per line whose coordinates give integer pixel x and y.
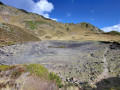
{"type": "Point", "coordinates": [56, 78]}
{"type": "Point", "coordinates": [68, 29]}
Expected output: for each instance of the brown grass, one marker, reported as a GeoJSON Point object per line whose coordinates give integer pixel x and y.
{"type": "Point", "coordinates": [15, 35]}
{"type": "Point", "coordinates": [55, 30]}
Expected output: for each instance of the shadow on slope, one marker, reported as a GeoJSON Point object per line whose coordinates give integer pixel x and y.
{"type": "Point", "coordinates": [112, 83]}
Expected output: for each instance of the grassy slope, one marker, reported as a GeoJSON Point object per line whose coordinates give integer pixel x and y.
{"type": "Point", "coordinates": [15, 35]}
{"type": "Point", "coordinates": [113, 33]}
{"type": "Point", "coordinates": [48, 29]}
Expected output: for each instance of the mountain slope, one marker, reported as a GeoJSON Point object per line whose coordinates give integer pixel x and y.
{"type": "Point", "coordinates": [11, 34]}
{"type": "Point", "coordinates": [47, 29]}
{"type": "Point", "coordinates": [113, 33]}
{"type": "Point", "coordinates": [64, 50]}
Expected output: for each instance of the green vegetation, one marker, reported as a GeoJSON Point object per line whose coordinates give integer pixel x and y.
{"type": "Point", "coordinates": [115, 88]}
{"type": "Point", "coordinates": [24, 11]}
{"type": "Point", "coordinates": [37, 24]}
{"type": "Point", "coordinates": [33, 24]}
{"type": "Point", "coordinates": [57, 47]}
{"type": "Point", "coordinates": [40, 71]}
{"type": "Point", "coordinates": [68, 29]}
{"type": "Point", "coordinates": [17, 72]}
{"type": "Point", "coordinates": [4, 67]}
{"type": "Point", "coordinates": [113, 33]}
{"type": "Point", "coordinates": [14, 71]}
{"type": "Point", "coordinates": [7, 43]}
{"type": "Point", "coordinates": [34, 69]}
{"type": "Point", "coordinates": [57, 79]}
{"type": "Point", "coordinates": [10, 43]}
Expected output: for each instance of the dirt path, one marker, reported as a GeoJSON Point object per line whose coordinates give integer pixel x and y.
{"type": "Point", "coordinates": [105, 71]}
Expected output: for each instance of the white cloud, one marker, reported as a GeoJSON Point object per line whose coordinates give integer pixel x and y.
{"type": "Point", "coordinates": [55, 19]}
{"type": "Point", "coordinates": [111, 28]}
{"type": "Point", "coordinates": [42, 7]}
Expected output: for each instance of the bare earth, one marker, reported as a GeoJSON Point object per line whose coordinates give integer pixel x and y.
{"type": "Point", "coordinates": [105, 73]}
{"type": "Point", "coordinates": [73, 61]}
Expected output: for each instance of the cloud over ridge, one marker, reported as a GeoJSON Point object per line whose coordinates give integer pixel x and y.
{"type": "Point", "coordinates": [42, 7]}
{"type": "Point", "coordinates": [112, 28]}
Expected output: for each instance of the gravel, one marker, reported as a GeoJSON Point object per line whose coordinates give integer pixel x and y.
{"type": "Point", "coordinates": [66, 58]}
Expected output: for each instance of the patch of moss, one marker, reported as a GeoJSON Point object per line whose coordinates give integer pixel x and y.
{"type": "Point", "coordinates": [57, 79]}
{"type": "Point", "coordinates": [42, 72]}
{"type": "Point", "coordinates": [6, 67]}
{"type": "Point", "coordinates": [38, 70]}
{"type": "Point", "coordinates": [9, 43]}
{"type": "Point", "coordinates": [33, 24]}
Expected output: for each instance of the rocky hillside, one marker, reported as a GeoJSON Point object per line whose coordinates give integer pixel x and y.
{"type": "Point", "coordinates": [47, 29]}
{"type": "Point", "coordinates": [84, 64]}
{"type": "Point", "coordinates": [28, 77]}
{"type": "Point", "coordinates": [77, 56]}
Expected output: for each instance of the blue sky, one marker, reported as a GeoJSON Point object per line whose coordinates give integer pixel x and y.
{"type": "Point", "coordinates": [104, 14]}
